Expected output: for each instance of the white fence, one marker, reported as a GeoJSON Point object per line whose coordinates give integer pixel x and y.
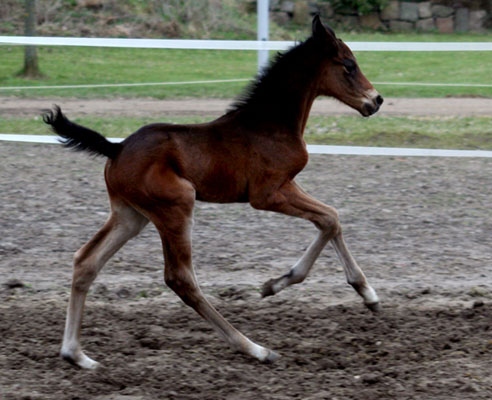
{"type": "Point", "coordinates": [258, 46]}
{"type": "Point", "coordinates": [255, 45]}
{"type": "Point", "coordinates": [236, 44]}
{"type": "Point", "coordinates": [312, 148]}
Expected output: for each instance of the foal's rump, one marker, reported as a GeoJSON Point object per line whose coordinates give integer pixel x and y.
{"type": "Point", "coordinates": [80, 138]}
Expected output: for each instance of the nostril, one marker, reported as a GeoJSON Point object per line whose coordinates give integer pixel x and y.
{"type": "Point", "coordinates": [379, 100]}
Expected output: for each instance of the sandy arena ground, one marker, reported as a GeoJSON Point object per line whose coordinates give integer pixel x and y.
{"type": "Point", "coordinates": [444, 107]}
{"type": "Point", "coordinates": [419, 227]}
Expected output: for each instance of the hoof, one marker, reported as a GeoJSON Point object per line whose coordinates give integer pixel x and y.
{"type": "Point", "coordinates": [271, 357]}
{"type": "Point", "coordinates": [267, 288]}
{"type": "Point", "coordinates": [81, 361]}
{"type": "Point", "coordinates": [374, 307]}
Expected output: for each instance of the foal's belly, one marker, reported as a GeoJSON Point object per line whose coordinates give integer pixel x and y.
{"type": "Point", "coordinates": [222, 188]}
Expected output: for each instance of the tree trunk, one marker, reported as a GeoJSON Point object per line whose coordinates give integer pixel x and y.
{"type": "Point", "coordinates": [31, 68]}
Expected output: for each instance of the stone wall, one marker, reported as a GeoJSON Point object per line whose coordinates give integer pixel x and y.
{"type": "Point", "coordinates": [397, 16]}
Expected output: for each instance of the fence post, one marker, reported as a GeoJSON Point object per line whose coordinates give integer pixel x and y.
{"type": "Point", "coordinates": [262, 10]}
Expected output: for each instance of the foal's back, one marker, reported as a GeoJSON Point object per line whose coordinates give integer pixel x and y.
{"type": "Point", "coordinates": [223, 161]}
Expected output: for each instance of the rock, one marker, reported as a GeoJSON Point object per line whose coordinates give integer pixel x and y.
{"type": "Point", "coordinates": [280, 17]}
{"type": "Point", "coordinates": [122, 30]}
{"type": "Point", "coordinates": [471, 387]}
{"type": "Point", "coordinates": [478, 303]}
{"type": "Point", "coordinates": [371, 379]}
{"type": "Point", "coordinates": [249, 6]}
{"type": "Point", "coordinates": [150, 343]}
{"type": "Point", "coordinates": [425, 10]}
{"type": "Point", "coordinates": [313, 8]}
{"type": "Point", "coordinates": [301, 12]}
{"type": "Point", "coordinates": [371, 21]}
{"type": "Point", "coordinates": [445, 25]}
{"type": "Point", "coordinates": [101, 289]}
{"type": "Point", "coordinates": [401, 26]}
{"type": "Point", "coordinates": [91, 3]}
{"type": "Point", "coordinates": [477, 20]}
{"type": "Point", "coordinates": [391, 11]}
{"type": "Point", "coordinates": [14, 283]}
{"type": "Point", "coordinates": [325, 10]}
{"type": "Point", "coordinates": [425, 25]}
{"type": "Point", "coordinates": [348, 22]}
{"type": "Point", "coordinates": [123, 292]}
{"type": "Point", "coordinates": [409, 11]}
{"type": "Point", "coordinates": [477, 291]}
{"type": "Point", "coordinates": [461, 20]}
{"type": "Point", "coordinates": [441, 11]}
{"type": "Point", "coordinates": [287, 6]}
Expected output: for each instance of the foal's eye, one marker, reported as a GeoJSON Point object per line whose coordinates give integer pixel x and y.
{"type": "Point", "coordinates": [350, 66]}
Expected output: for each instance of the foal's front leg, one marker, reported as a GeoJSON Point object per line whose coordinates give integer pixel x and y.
{"type": "Point", "coordinates": [290, 199]}
{"type": "Point", "coordinates": [355, 276]}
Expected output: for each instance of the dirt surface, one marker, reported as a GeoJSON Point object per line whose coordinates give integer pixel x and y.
{"type": "Point", "coordinates": [419, 227]}
{"type": "Point", "coordinates": [19, 107]}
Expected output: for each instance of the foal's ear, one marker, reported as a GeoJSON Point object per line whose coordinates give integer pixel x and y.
{"type": "Point", "coordinates": [324, 33]}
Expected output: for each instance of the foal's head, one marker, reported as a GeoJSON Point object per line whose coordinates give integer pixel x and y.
{"type": "Point", "coordinates": [341, 77]}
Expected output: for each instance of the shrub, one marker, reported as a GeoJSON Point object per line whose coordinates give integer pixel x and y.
{"type": "Point", "coordinates": [360, 7]}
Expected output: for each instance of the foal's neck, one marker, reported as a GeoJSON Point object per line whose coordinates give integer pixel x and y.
{"type": "Point", "coordinates": [281, 99]}
{"type": "Point", "coordinates": [301, 107]}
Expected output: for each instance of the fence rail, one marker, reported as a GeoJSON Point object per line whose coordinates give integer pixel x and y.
{"type": "Point", "coordinates": [312, 148]}
{"type": "Point", "coordinates": [255, 46]}
{"type": "Point", "coordinates": [235, 44]}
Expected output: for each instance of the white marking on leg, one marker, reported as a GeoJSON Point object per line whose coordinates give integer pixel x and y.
{"type": "Point", "coordinates": [71, 349]}
{"type": "Point", "coordinates": [123, 224]}
{"type": "Point", "coordinates": [257, 351]}
{"type": "Point", "coordinates": [301, 268]}
{"type": "Point", "coordinates": [369, 295]}
{"type": "Point", "coordinates": [353, 272]}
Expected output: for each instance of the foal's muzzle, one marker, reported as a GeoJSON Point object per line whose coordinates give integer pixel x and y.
{"type": "Point", "coordinates": [371, 105]}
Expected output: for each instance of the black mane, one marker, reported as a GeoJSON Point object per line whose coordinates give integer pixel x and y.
{"type": "Point", "coordinates": [276, 77]}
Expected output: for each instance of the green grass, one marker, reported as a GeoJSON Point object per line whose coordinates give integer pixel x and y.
{"type": "Point", "coordinates": [430, 67]}
{"type": "Point", "coordinates": [415, 37]}
{"type": "Point", "coordinates": [423, 132]}
{"type": "Point", "coordinates": [82, 65]}
{"type": "Point", "coordinates": [79, 65]}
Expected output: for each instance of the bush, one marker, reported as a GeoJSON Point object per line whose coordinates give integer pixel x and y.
{"type": "Point", "coordinates": [360, 7]}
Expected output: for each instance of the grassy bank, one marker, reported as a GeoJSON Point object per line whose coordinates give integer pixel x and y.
{"type": "Point", "coordinates": [75, 66]}
{"type": "Point", "coordinates": [423, 132]}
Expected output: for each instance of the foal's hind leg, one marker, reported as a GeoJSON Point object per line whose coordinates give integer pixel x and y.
{"type": "Point", "coordinates": [123, 224]}
{"type": "Point", "coordinates": [292, 200]}
{"type": "Point", "coordinates": [173, 219]}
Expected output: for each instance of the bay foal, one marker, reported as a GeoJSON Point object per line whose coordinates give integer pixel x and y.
{"type": "Point", "coordinates": [250, 154]}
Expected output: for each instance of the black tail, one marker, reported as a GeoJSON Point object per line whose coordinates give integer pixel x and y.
{"type": "Point", "coordinates": [79, 138]}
